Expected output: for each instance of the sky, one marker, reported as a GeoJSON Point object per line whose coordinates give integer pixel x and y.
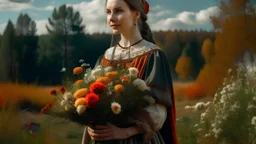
{"type": "Point", "coordinates": [164, 14]}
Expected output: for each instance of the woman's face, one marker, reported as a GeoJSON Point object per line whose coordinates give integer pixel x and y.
{"type": "Point", "coordinates": [119, 16]}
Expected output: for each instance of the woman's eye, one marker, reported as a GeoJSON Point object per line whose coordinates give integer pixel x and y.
{"type": "Point", "coordinates": [118, 10]}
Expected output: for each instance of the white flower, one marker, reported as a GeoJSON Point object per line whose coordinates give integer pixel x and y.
{"type": "Point", "coordinates": [199, 106]}
{"type": "Point", "coordinates": [222, 92]}
{"type": "Point", "coordinates": [108, 69]}
{"type": "Point", "coordinates": [99, 67]}
{"type": "Point", "coordinates": [116, 107]}
{"type": "Point", "coordinates": [254, 98]}
{"type": "Point", "coordinates": [85, 65]}
{"type": "Point", "coordinates": [63, 103]}
{"type": "Point", "coordinates": [63, 70]}
{"type": "Point", "coordinates": [67, 96]}
{"type": "Point", "coordinates": [140, 84]}
{"type": "Point", "coordinates": [133, 71]}
{"type": "Point", "coordinates": [81, 60]}
{"type": "Point", "coordinates": [254, 120]}
{"type": "Point", "coordinates": [81, 109]}
{"type": "Point", "coordinates": [68, 107]}
{"type": "Point", "coordinates": [85, 76]}
{"type": "Point", "coordinates": [96, 73]}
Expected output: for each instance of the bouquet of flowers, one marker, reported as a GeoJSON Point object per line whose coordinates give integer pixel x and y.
{"type": "Point", "coordinates": [102, 95]}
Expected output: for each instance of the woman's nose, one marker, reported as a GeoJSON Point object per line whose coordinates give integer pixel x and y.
{"type": "Point", "coordinates": [112, 17]}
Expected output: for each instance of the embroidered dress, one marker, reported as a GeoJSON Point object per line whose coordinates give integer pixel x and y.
{"type": "Point", "coordinates": [153, 67]}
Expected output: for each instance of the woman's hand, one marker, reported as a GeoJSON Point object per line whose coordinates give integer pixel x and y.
{"type": "Point", "coordinates": [107, 132]}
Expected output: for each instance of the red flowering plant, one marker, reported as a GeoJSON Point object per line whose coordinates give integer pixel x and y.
{"type": "Point", "coordinates": [101, 95]}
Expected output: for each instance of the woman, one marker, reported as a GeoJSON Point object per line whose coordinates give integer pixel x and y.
{"type": "Point", "coordinates": [133, 45]}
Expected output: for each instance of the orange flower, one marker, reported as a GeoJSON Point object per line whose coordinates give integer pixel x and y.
{"type": "Point", "coordinates": [80, 101]}
{"type": "Point", "coordinates": [112, 75]}
{"type": "Point", "coordinates": [53, 92]}
{"type": "Point", "coordinates": [104, 80]}
{"type": "Point", "coordinates": [124, 79]}
{"type": "Point", "coordinates": [62, 89]}
{"type": "Point", "coordinates": [119, 88]}
{"type": "Point", "coordinates": [81, 93]}
{"type": "Point", "coordinates": [97, 87]}
{"type": "Point", "coordinates": [78, 70]}
{"type": "Point", "coordinates": [78, 82]}
{"type": "Point", "coordinates": [91, 99]}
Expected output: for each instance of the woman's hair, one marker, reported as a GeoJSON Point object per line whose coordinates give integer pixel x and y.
{"type": "Point", "coordinates": [146, 33]}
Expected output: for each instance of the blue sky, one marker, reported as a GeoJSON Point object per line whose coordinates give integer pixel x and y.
{"type": "Point", "coordinates": [164, 14]}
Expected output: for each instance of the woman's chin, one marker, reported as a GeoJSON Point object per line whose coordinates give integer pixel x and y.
{"type": "Point", "coordinates": [115, 32]}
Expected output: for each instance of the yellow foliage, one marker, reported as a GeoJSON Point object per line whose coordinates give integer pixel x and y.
{"type": "Point", "coordinates": [184, 67]}
{"type": "Point", "coordinates": [14, 93]}
{"type": "Point", "coordinates": [207, 50]}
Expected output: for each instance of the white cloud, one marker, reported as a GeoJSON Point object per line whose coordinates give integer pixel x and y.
{"type": "Point", "coordinates": [6, 5]}
{"type": "Point", "coordinates": [41, 27]}
{"type": "Point", "coordinates": [93, 14]}
{"type": "Point", "coordinates": [184, 20]}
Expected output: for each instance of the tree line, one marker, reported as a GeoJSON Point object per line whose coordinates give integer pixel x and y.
{"type": "Point", "coordinates": [28, 58]}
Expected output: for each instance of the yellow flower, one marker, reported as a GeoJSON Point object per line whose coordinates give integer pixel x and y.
{"type": "Point", "coordinates": [80, 101]}
{"type": "Point", "coordinates": [81, 93]}
{"type": "Point", "coordinates": [112, 75]}
{"type": "Point", "coordinates": [78, 70]}
{"type": "Point", "coordinates": [78, 82]}
{"type": "Point", "coordinates": [119, 88]}
{"type": "Point", "coordinates": [104, 80]}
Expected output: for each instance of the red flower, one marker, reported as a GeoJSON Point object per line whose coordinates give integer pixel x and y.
{"type": "Point", "coordinates": [91, 99]}
{"type": "Point", "coordinates": [53, 92]}
{"type": "Point", "coordinates": [97, 88]}
{"type": "Point", "coordinates": [146, 7]}
{"type": "Point", "coordinates": [47, 106]}
{"type": "Point", "coordinates": [62, 89]}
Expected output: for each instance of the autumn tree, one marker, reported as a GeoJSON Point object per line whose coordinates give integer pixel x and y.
{"type": "Point", "coordinates": [184, 65]}
{"type": "Point", "coordinates": [207, 50]}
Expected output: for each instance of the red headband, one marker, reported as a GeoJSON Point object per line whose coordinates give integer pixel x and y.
{"type": "Point", "coordinates": [146, 6]}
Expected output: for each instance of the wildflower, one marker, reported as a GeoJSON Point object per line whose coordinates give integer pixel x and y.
{"type": "Point", "coordinates": [78, 82]}
{"type": "Point", "coordinates": [78, 70]}
{"type": "Point", "coordinates": [253, 120]}
{"type": "Point", "coordinates": [112, 75]}
{"type": "Point", "coordinates": [124, 79]}
{"type": "Point", "coordinates": [63, 70]}
{"type": "Point", "coordinates": [68, 107]}
{"type": "Point", "coordinates": [97, 73]}
{"type": "Point", "coordinates": [104, 80]}
{"type": "Point", "coordinates": [81, 109]}
{"type": "Point", "coordinates": [64, 103]}
{"type": "Point", "coordinates": [67, 96]}
{"type": "Point", "coordinates": [119, 88]}
{"type": "Point", "coordinates": [53, 92]}
{"type": "Point", "coordinates": [81, 60]}
{"type": "Point", "coordinates": [116, 107]}
{"type": "Point", "coordinates": [199, 106]}
{"type": "Point", "coordinates": [97, 88]}
{"type": "Point", "coordinates": [81, 93]}
{"type": "Point", "coordinates": [140, 84]}
{"type": "Point", "coordinates": [108, 69]}
{"type": "Point", "coordinates": [85, 65]}
{"type": "Point", "coordinates": [80, 101]}
{"type": "Point", "coordinates": [133, 71]}
{"type": "Point", "coordinates": [62, 89]}
{"type": "Point", "coordinates": [91, 99]}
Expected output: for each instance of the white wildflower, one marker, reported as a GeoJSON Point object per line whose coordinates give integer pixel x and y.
{"type": "Point", "coordinates": [63, 70]}
{"type": "Point", "coordinates": [81, 61]}
{"type": "Point", "coordinates": [253, 120]}
{"type": "Point", "coordinates": [68, 107]}
{"type": "Point", "coordinates": [115, 107]}
{"type": "Point", "coordinates": [207, 135]}
{"type": "Point", "coordinates": [216, 132]}
{"type": "Point", "coordinates": [108, 69]}
{"type": "Point", "coordinates": [133, 71]}
{"type": "Point", "coordinates": [203, 117]}
{"type": "Point", "coordinates": [85, 65]}
{"type": "Point", "coordinates": [99, 67]}
{"type": "Point", "coordinates": [199, 106]}
{"type": "Point", "coordinates": [81, 109]}
{"type": "Point", "coordinates": [254, 98]}
{"type": "Point", "coordinates": [250, 106]}
{"type": "Point", "coordinates": [67, 96]}
{"type": "Point", "coordinates": [196, 125]}
{"type": "Point", "coordinates": [223, 92]}
{"type": "Point", "coordinates": [85, 76]}
{"type": "Point", "coordinates": [189, 107]}
{"type": "Point", "coordinates": [140, 84]}
{"type": "Point", "coordinates": [64, 103]}
{"type": "Point", "coordinates": [96, 73]}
